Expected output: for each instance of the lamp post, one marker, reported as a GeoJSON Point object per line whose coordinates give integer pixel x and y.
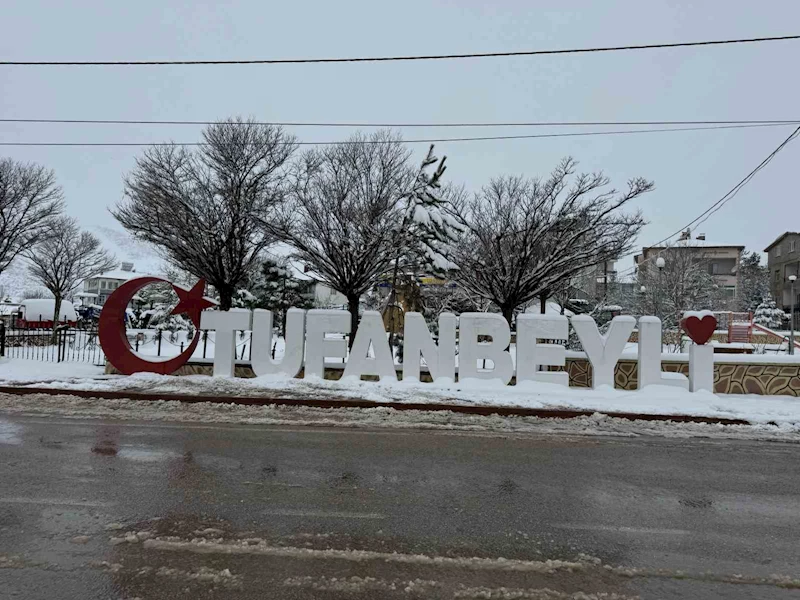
{"type": "Point", "coordinates": [660, 262]}
{"type": "Point", "coordinates": [643, 291]}
{"type": "Point", "coordinates": [792, 279]}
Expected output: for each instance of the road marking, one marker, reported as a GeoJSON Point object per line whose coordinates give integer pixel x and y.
{"type": "Point", "coordinates": [55, 502]}
{"type": "Point", "coordinates": [322, 514]}
{"type": "Point", "coordinates": [620, 529]}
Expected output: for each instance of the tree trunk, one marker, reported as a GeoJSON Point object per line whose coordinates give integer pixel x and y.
{"type": "Point", "coordinates": [56, 311]}
{"type": "Point", "coordinates": [225, 297]}
{"type": "Point", "coordinates": [543, 303]}
{"type": "Point", "coordinates": [508, 314]}
{"type": "Point", "coordinates": [352, 306]}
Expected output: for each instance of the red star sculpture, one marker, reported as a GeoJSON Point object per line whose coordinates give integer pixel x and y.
{"type": "Point", "coordinates": [192, 301]}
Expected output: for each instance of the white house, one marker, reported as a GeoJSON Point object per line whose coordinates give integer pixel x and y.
{"type": "Point", "coordinates": [104, 284]}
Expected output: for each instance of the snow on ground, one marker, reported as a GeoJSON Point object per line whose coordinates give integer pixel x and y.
{"type": "Point", "coordinates": [659, 400]}
{"type": "Point", "coordinates": [21, 370]}
{"type": "Point", "coordinates": [376, 418]}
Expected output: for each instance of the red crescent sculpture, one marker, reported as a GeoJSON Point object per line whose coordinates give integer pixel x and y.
{"type": "Point", "coordinates": [114, 341]}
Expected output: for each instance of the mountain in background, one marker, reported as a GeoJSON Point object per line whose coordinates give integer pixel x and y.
{"type": "Point", "coordinates": [126, 248]}
{"type": "Point", "coordinates": [16, 283]}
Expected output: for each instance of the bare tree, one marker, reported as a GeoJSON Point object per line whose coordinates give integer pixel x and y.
{"type": "Point", "coordinates": [64, 257]}
{"type": "Point", "coordinates": [683, 284]}
{"type": "Point", "coordinates": [205, 209]}
{"type": "Point", "coordinates": [525, 236]}
{"type": "Point", "coordinates": [28, 197]}
{"type": "Point", "coordinates": [345, 209]}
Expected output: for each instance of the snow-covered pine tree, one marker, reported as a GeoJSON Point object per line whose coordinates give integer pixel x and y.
{"type": "Point", "coordinates": [278, 290]}
{"type": "Point", "coordinates": [424, 233]}
{"type": "Point", "coordinates": [753, 282]}
{"type": "Point", "coordinates": [428, 220]}
{"type": "Point", "coordinates": [768, 314]}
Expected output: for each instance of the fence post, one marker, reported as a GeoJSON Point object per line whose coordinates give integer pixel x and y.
{"type": "Point", "coordinates": [2, 338]}
{"type": "Point", "coordinates": [158, 337]}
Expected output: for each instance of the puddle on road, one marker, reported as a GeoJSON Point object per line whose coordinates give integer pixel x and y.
{"type": "Point", "coordinates": [10, 433]}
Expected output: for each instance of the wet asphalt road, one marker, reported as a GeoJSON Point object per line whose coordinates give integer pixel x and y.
{"type": "Point", "coordinates": [94, 509]}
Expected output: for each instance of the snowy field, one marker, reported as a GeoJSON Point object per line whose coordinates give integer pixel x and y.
{"type": "Point", "coordinates": [659, 400]}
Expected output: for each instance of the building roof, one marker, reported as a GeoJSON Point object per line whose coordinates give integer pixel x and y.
{"type": "Point", "coordinates": [779, 238]}
{"type": "Point", "coordinates": [695, 244]}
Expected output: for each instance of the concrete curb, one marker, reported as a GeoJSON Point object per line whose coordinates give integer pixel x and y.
{"type": "Point", "coordinates": [503, 411]}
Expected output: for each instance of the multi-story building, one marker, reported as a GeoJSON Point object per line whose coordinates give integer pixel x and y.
{"type": "Point", "coordinates": [722, 262]}
{"type": "Point", "coordinates": [783, 260]}
{"type": "Point", "coordinates": [101, 286]}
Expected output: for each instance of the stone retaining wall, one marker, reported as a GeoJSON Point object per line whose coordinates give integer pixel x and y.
{"type": "Point", "coordinates": [729, 378]}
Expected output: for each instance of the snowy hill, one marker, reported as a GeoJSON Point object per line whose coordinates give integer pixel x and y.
{"type": "Point", "coordinates": [144, 257]}
{"type": "Point", "coordinates": [16, 283]}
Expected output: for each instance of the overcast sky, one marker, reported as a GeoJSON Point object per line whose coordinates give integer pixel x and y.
{"type": "Point", "coordinates": [691, 169]}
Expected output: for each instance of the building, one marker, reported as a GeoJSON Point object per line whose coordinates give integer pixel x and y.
{"type": "Point", "coordinates": [783, 259]}
{"type": "Point", "coordinates": [100, 287]}
{"type": "Point", "coordinates": [599, 279]}
{"type": "Point", "coordinates": [722, 262]}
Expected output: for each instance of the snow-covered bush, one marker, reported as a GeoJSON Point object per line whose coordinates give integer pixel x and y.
{"type": "Point", "coordinates": [769, 315]}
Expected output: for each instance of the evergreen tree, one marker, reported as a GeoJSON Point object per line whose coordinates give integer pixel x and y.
{"type": "Point", "coordinates": [769, 315]}
{"type": "Point", "coordinates": [278, 290]}
{"type": "Point", "coordinates": [753, 282]}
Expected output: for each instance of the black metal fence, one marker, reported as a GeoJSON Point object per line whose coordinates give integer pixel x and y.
{"type": "Point", "coordinates": [81, 343]}
{"type": "Point", "coordinates": [66, 344]}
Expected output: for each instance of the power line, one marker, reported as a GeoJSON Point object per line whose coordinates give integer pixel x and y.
{"type": "Point", "coordinates": [278, 61]}
{"type": "Point", "coordinates": [407, 124]}
{"type": "Point", "coordinates": [416, 141]}
{"type": "Point", "coordinates": [716, 206]}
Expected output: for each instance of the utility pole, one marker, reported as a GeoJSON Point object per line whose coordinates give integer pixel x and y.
{"type": "Point", "coordinates": [660, 263]}
{"type": "Point", "coordinates": [793, 300]}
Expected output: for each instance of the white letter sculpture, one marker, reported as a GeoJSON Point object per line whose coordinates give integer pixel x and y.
{"type": "Point", "coordinates": [649, 367]}
{"type": "Point", "coordinates": [417, 342]}
{"type": "Point", "coordinates": [531, 355]}
{"type": "Point", "coordinates": [471, 325]}
{"type": "Point", "coordinates": [292, 361]}
{"type": "Point", "coordinates": [319, 322]}
{"type": "Point", "coordinates": [603, 351]}
{"type": "Point", "coordinates": [370, 333]}
{"type": "Point", "coordinates": [225, 324]}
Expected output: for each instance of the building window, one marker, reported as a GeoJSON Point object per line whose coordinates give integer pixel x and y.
{"type": "Point", "coordinates": [715, 268]}
{"type": "Point", "coordinates": [777, 276]}
{"type": "Point", "coordinates": [778, 250]}
{"type": "Point", "coordinates": [791, 245]}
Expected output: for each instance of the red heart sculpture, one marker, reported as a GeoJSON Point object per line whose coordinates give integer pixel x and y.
{"type": "Point", "coordinates": [700, 330]}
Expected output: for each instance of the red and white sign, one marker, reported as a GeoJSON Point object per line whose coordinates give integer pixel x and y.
{"type": "Point", "coordinates": [309, 343]}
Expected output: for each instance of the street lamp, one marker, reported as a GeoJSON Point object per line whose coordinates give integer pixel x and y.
{"type": "Point", "coordinates": [792, 279]}
{"type": "Point", "coordinates": [660, 262]}
{"type": "Point", "coordinates": [642, 306]}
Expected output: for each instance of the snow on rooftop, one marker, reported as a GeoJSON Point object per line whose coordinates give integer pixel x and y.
{"type": "Point", "coordinates": [43, 309]}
